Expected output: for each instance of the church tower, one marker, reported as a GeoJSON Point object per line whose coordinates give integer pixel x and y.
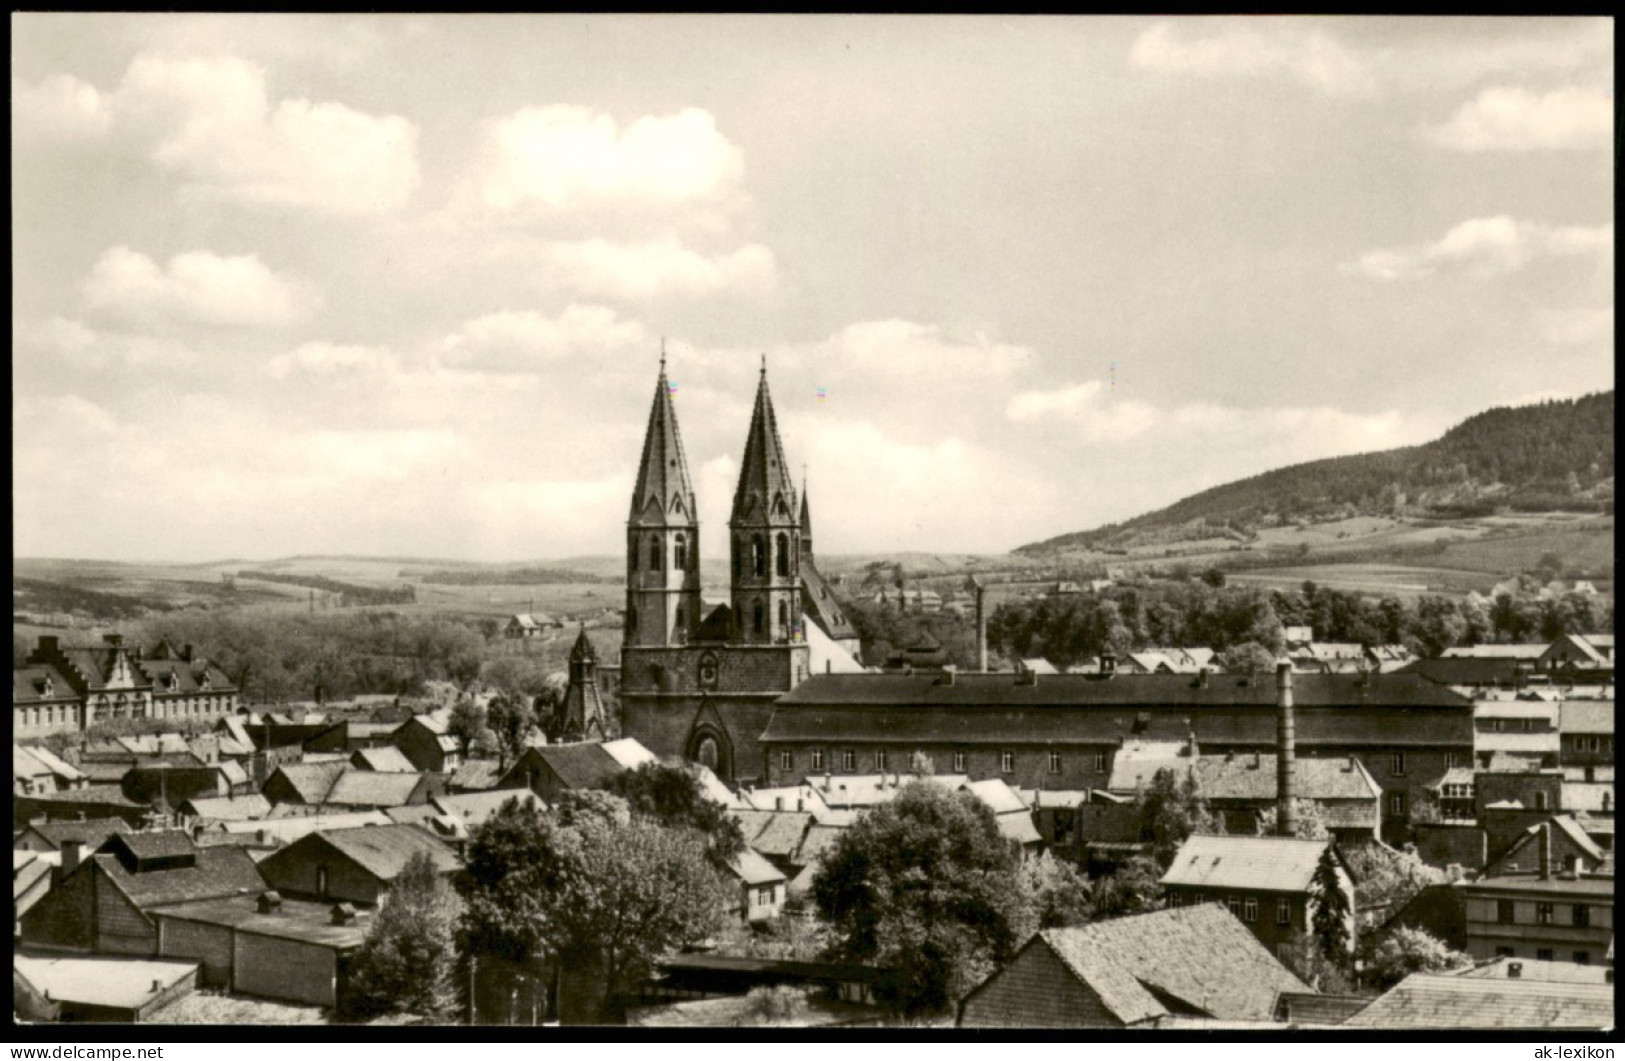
{"type": "Point", "coordinates": [765, 537]}
{"type": "Point", "coordinates": [662, 535]}
{"type": "Point", "coordinates": [581, 714]}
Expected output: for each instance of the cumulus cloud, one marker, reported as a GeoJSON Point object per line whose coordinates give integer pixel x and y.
{"type": "Point", "coordinates": [1516, 119]}
{"type": "Point", "coordinates": [665, 267]}
{"type": "Point", "coordinates": [523, 341]}
{"type": "Point", "coordinates": [560, 156]}
{"type": "Point", "coordinates": [1213, 48]}
{"type": "Point", "coordinates": [1032, 405]}
{"type": "Point", "coordinates": [1484, 247]}
{"type": "Point", "coordinates": [197, 287]}
{"type": "Point", "coordinates": [1577, 327]}
{"type": "Point", "coordinates": [211, 123]}
{"type": "Point", "coordinates": [89, 349]}
{"type": "Point", "coordinates": [60, 108]}
{"type": "Point", "coordinates": [327, 359]}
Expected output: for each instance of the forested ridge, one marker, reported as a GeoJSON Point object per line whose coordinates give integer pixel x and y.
{"type": "Point", "coordinates": [1554, 456]}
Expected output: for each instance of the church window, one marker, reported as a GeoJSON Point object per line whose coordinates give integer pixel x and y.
{"type": "Point", "coordinates": [632, 556]}
{"type": "Point", "coordinates": [784, 619]}
{"type": "Point", "coordinates": [631, 621]}
{"type": "Point", "coordinates": [784, 556]}
{"type": "Point", "coordinates": [680, 553]}
{"type": "Point", "coordinates": [681, 628]}
{"type": "Point", "coordinates": [756, 616]}
{"type": "Point", "coordinates": [656, 561]}
{"type": "Point", "coordinates": [707, 753]}
{"type": "Point", "coordinates": [758, 556]}
{"type": "Point", "coordinates": [738, 554]}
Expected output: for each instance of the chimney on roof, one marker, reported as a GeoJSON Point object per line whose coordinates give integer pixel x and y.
{"type": "Point", "coordinates": [343, 913]}
{"type": "Point", "coordinates": [73, 851]}
{"type": "Point", "coordinates": [1026, 676]}
{"type": "Point", "coordinates": [1190, 745]}
{"type": "Point", "coordinates": [1286, 753]}
{"type": "Point", "coordinates": [1514, 970]}
{"type": "Point", "coordinates": [269, 901]}
{"type": "Point", "coordinates": [1201, 678]}
{"type": "Point", "coordinates": [1545, 841]}
{"type": "Point", "coordinates": [778, 802]}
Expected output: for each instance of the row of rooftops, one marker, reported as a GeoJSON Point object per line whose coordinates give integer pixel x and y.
{"type": "Point", "coordinates": [54, 673]}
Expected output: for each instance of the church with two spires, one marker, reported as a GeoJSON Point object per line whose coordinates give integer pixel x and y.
{"type": "Point", "coordinates": [700, 680]}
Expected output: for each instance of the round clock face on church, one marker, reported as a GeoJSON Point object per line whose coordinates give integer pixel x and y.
{"type": "Point", "coordinates": [708, 671]}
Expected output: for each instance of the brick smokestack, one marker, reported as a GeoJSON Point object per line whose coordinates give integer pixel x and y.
{"type": "Point", "coordinates": [1286, 754]}
{"type": "Point", "coordinates": [1545, 850]}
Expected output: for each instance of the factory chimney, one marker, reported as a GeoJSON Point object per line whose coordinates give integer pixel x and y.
{"type": "Point", "coordinates": [1286, 752]}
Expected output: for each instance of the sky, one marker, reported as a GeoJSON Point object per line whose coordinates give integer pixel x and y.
{"type": "Point", "coordinates": [398, 285]}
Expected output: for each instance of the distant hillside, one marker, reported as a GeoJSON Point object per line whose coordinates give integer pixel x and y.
{"type": "Point", "coordinates": [1555, 456]}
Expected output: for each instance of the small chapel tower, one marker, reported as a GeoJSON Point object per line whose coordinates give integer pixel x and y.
{"type": "Point", "coordinates": [662, 535]}
{"type": "Point", "coordinates": [581, 714]}
{"type": "Point", "coordinates": [765, 533]}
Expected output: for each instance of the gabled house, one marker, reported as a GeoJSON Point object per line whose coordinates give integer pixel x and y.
{"type": "Point", "coordinates": [36, 769]}
{"type": "Point", "coordinates": [1265, 881]}
{"type": "Point", "coordinates": [1439, 1001]}
{"type": "Point", "coordinates": [386, 760]}
{"type": "Point", "coordinates": [352, 865]}
{"type": "Point", "coordinates": [368, 789]}
{"type": "Point", "coordinates": [426, 742]}
{"type": "Point", "coordinates": [1555, 846]}
{"type": "Point", "coordinates": [303, 782]}
{"type": "Point", "coordinates": [553, 769]}
{"type": "Point", "coordinates": [103, 902]}
{"type": "Point", "coordinates": [1193, 961]}
{"type": "Point", "coordinates": [1579, 652]}
{"type": "Point", "coordinates": [761, 886]}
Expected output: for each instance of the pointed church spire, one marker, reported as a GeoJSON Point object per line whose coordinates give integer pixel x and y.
{"type": "Point", "coordinates": [806, 518]}
{"type": "Point", "coordinates": [664, 492]}
{"type": "Point", "coordinates": [764, 475]}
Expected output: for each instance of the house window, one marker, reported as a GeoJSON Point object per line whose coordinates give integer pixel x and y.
{"type": "Point", "coordinates": [1396, 803]}
{"type": "Point", "coordinates": [1582, 916]}
{"type": "Point", "coordinates": [1176, 899]}
{"type": "Point", "coordinates": [959, 762]}
{"type": "Point", "coordinates": [1500, 725]}
{"type": "Point", "coordinates": [1582, 957]}
{"type": "Point", "coordinates": [1007, 762]}
{"type": "Point", "coordinates": [1504, 911]}
{"type": "Point", "coordinates": [1234, 902]}
{"type": "Point", "coordinates": [1100, 762]}
{"type": "Point", "coordinates": [849, 760]}
{"type": "Point", "coordinates": [787, 761]}
{"type": "Point", "coordinates": [1249, 910]}
{"type": "Point", "coordinates": [880, 760]}
{"type": "Point", "coordinates": [1397, 766]}
{"type": "Point", "coordinates": [1054, 762]}
{"type": "Point", "coordinates": [1543, 913]}
{"type": "Point", "coordinates": [1283, 911]}
{"type": "Point", "coordinates": [817, 759]}
{"type": "Point", "coordinates": [1543, 954]}
{"type": "Point", "coordinates": [1540, 801]}
{"type": "Point", "coordinates": [1504, 952]}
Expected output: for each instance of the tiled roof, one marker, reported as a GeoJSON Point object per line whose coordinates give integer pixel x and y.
{"type": "Point", "coordinates": [113, 983]}
{"type": "Point", "coordinates": [163, 844]}
{"type": "Point", "coordinates": [313, 781]}
{"type": "Point", "coordinates": [1584, 887]}
{"type": "Point", "coordinates": [998, 795]}
{"type": "Point", "coordinates": [475, 807]}
{"type": "Point", "coordinates": [1200, 955]}
{"type": "Point", "coordinates": [849, 791]}
{"type": "Point", "coordinates": [1426, 1000]}
{"type": "Point", "coordinates": [1018, 826]}
{"type": "Point", "coordinates": [303, 920]}
{"type": "Point", "coordinates": [33, 761]}
{"type": "Point", "coordinates": [1314, 1008]}
{"type": "Point", "coordinates": [1465, 672]}
{"type": "Point", "coordinates": [1494, 652]}
{"type": "Point", "coordinates": [384, 850]}
{"type": "Point", "coordinates": [234, 728]}
{"type": "Point", "coordinates": [1178, 690]}
{"type": "Point", "coordinates": [577, 766]}
{"type": "Point", "coordinates": [102, 795]}
{"type": "Point", "coordinates": [1588, 796]}
{"type": "Point", "coordinates": [367, 788]}
{"type": "Point", "coordinates": [287, 830]}
{"type": "Point", "coordinates": [1237, 777]}
{"type": "Point", "coordinates": [435, 721]}
{"type": "Point", "coordinates": [1586, 716]}
{"type": "Point", "coordinates": [229, 808]}
{"type": "Point", "coordinates": [383, 760]}
{"type": "Point", "coordinates": [775, 833]}
{"type": "Point", "coordinates": [818, 840]}
{"type": "Point", "coordinates": [1533, 969]}
{"type": "Point", "coordinates": [28, 685]}
{"type": "Point", "coordinates": [752, 868]}
{"type": "Point", "coordinates": [1259, 863]}
{"type": "Point", "coordinates": [629, 753]}
{"type": "Point", "coordinates": [92, 833]}
{"type": "Point", "coordinates": [475, 774]}
{"type": "Point", "coordinates": [217, 872]}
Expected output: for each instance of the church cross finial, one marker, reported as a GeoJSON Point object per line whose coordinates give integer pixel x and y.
{"type": "Point", "coordinates": [662, 353]}
{"type": "Point", "coordinates": [764, 366]}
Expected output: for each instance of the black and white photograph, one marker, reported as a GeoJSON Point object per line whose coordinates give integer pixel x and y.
{"type": "Point", "coordinates": [880, 525]}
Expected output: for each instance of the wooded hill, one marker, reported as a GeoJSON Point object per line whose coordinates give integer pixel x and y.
{"type": "Point", "coordinates": [1557, 456]}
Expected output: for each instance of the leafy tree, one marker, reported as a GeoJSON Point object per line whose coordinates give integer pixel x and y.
{"type": "Point", "coordinates": [467, 722]}
{"type": "Point", "coordinates": [1385, 879]}
{"type": "Point", "coordinates": [1171, 810]}
{"type": "Point", "coordinates": [1411, 950]}
{"type": "Point", "coordinates": [1135, 888]}
{"type": "Point", "coordinates": [921, 765]}
{"type": "Point", "coordinates": [779, 1005]}
{"type": "Point", "coordinates": [1248, 657]}
{"type": "Point", "coordinates": [598, 889]}
{"type": "Point", "coordinates": [511, 719]}
{"type": "Point", "coordinates": [927, 886]}
{"type": "Point", "coordinates": [1311, 822]}
{"type": "Point", "coordinates": [1302, 954]}
{"type": "Point", "coordinates": [1330, 924]}
{"type": "Point", "coordinates": [1214, 577]}
{"type": "Point", "coordinates": [1057, 894]}
{"type": "Point", "coordinates": [670, 794]}
{"type": "Point", "coordinates": [407, 963]}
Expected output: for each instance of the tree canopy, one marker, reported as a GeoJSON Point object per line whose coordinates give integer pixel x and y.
{"type": "Point", "coordinates": [927, 886]}
{"type": "Point", "coordinates": [671, 795]}
{"type": "Point", "coordinates": [407, 963]}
